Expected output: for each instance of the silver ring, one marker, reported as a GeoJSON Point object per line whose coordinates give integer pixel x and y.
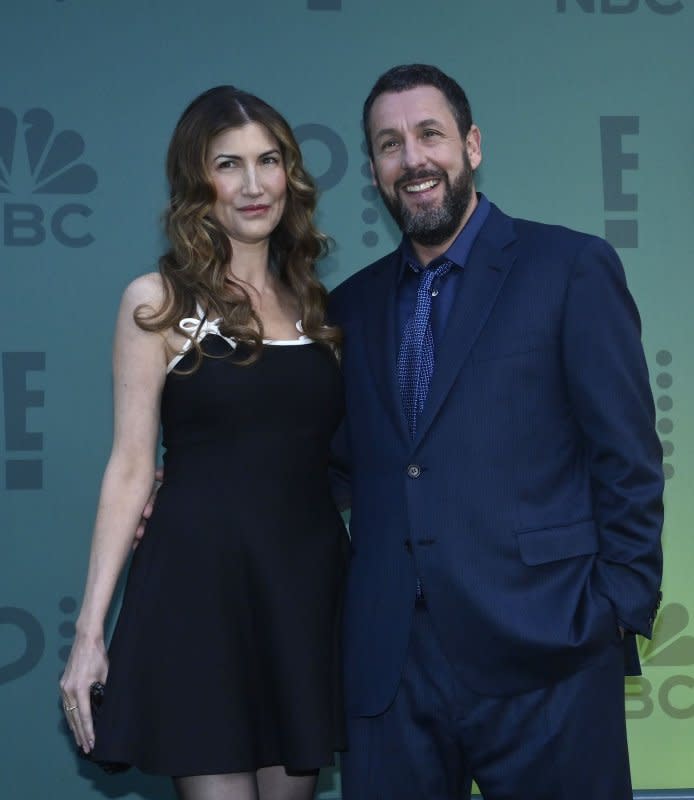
{"type": "Point", "coordinates": [68, 709]}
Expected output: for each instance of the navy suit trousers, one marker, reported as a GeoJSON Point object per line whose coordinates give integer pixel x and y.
{"type": "Point", "coordinates": [566, 741]}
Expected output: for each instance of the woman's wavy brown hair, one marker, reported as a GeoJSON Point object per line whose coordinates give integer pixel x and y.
{"type": "Point", "coordinates": [195, 268]}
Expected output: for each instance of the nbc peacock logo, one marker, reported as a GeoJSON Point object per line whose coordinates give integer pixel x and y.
{"type": "Point", "coordinates": [670, 645]}
{"type": "Point", "coordinates": [39, 163]}
{"type": "Point", "coordinates": [668, 658]}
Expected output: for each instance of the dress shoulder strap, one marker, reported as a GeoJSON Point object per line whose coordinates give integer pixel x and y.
{"type": "Point", "coordinates": [197, 328]}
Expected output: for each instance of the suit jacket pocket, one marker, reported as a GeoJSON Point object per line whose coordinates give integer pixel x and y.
{"type": "Point", "coordinates": [544, 545]}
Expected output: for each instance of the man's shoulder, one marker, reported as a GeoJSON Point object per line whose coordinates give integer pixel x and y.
{"type": "Point", "coordinates": [546, 251]}
{"type": "Point", "coordinates": [551, 235]}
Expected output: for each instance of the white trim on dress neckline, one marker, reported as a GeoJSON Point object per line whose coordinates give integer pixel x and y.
{"type": "Point", "coordinates": [199, 327]}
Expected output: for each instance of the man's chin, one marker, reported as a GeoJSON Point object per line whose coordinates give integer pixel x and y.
{"type": "Point", "coordinates": [426, 219]}
{"type": "Point", "coordinates": [422, 213]}
{"type": "Point", "coordinates": [429, 229]}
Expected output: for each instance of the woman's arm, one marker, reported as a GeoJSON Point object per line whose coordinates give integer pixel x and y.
{"type": "Point", "coordinates": [139, 371]}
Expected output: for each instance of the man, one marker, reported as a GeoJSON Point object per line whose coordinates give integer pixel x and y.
{"type": "Point", "coordinates": [505, 479]}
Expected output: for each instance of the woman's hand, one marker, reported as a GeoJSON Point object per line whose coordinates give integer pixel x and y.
{"type": "Point", "coordinates": [87, 663]}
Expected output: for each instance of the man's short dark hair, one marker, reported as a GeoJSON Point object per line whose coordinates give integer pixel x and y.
{"type": "Point", "coordinates": [410, 76]}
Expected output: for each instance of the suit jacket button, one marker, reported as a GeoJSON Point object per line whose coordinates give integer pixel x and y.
{"type": "Point", "coordinates": [414, 471]}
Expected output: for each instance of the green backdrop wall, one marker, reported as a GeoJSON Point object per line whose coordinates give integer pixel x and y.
{"type": "Point", "coordinates": [587, 116]}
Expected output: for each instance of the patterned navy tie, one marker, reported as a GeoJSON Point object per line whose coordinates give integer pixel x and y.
{"type": "Point", "coordinates": [416, 356]}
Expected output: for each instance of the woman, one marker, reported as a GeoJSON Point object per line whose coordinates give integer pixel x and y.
{"type": "Point", "coordinates": [222, 671]}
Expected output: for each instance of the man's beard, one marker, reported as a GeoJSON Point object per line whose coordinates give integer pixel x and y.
{"type": "Point", "coordinates": [432, 225]}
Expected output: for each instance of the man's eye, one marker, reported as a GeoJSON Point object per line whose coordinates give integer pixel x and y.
{"type": "Point", "coordinates": [429, 133]}
{"type": "Point", "coordinates": [389, 144]}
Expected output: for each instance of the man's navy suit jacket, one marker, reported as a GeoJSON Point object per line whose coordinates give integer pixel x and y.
{"type": "Point", "coordinates": [530, 502]}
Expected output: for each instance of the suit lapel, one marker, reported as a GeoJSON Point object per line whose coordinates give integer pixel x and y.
{"type": "Point", "coordinates": [381, 339]}
{"type": "Point", "coordinates": [485, 272]}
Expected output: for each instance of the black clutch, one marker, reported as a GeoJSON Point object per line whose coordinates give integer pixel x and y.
{"type": "Point", "coordinates": [96, 698]}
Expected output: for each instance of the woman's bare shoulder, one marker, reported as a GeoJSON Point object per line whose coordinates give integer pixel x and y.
{"type": "Point", "coordinates": [146, 290]}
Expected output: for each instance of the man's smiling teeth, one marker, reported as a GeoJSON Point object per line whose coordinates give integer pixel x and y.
{"type": "Point", "coordinates": [421, 187]}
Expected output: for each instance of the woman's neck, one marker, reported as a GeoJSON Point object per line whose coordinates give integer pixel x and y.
{"type": "Point", "coordinates": [250, 265]}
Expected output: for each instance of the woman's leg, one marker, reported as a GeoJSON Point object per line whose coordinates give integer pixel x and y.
{"type": "Point", "coordinates": [233, 786]}
{"type": "Point", "coordinates": [275, 783]}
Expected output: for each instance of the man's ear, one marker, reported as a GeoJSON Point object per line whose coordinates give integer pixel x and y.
{"type": "Point", "coordinates": [373, 172]}
{"type": "Point", "coordinates": [473, 146]}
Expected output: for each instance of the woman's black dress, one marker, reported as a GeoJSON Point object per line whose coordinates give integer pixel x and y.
{"type": "Point", "coordinates": [225, 654]}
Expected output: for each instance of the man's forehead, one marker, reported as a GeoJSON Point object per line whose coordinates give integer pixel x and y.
{"type": "Point", "coordinates": [414, 107]}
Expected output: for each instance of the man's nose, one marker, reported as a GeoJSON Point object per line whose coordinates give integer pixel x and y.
{"type": "Point", "coordinates": [412, 154]}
